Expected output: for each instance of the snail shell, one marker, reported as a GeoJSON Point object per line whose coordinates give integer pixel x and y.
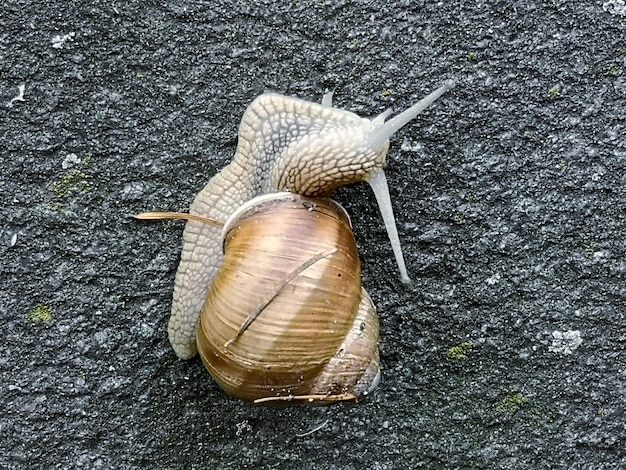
{"type": "Point", "coordinates": [286, 315]}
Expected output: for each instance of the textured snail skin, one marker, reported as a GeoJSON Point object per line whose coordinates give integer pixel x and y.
{"type": "Point", "coordinates": [285, 144]}
{"type": "Point", "coordinates": [318, 334]}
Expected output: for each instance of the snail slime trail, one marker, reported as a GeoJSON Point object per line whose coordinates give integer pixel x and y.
{"type": "Point", "coordinates": [265, 252]}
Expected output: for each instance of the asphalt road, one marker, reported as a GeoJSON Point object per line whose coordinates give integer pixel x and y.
{"type": "Point", "coordinates": [506, 352]}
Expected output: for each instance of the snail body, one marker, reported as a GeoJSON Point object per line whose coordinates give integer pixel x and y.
{"type": "Point", "coordinates": [274, 300]}
{"type": "Point", "coordinates": [286, 315]}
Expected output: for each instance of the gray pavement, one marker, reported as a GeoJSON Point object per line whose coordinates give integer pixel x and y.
{"type": "Point", "coordinates": [506, 352]}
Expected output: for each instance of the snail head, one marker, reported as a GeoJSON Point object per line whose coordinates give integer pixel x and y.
{"type": "Point", "coordinates": [312, 149]}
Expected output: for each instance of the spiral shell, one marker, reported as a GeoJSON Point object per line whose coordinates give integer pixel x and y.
{"type": "Point", "coordinates": [286, 316]}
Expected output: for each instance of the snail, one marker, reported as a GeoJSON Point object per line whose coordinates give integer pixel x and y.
{"type": "Point", "coordinates": [248, 315]}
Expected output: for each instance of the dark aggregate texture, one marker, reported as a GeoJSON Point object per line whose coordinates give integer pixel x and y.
{"type": "Point", "coordinates": [506, 352]}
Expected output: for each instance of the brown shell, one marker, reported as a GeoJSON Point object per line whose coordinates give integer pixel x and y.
{"type": "Point", "coordinates": [286, 315]}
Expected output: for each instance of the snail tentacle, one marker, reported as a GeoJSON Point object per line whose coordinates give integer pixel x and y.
{"type": "Point", "coordinates": [327, 99]}
{"type": "Point", "coordinates": [387, 129]}
{"type": "Point", "coordinates": [378, 183]}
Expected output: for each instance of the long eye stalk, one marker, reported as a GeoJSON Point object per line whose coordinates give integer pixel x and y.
{"type": "Point", "coordinates": [378, 182]}
{"type": "Point", "coordinates": [385, 130]}
{"type": "Point", "coordinates": [377, 179]}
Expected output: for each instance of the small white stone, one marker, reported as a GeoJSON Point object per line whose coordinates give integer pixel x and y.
{"type": "Point", "coordinates": [615, 7]}
{"type": "Point", "coordinates": [493, 279]}
{"type": "Point", "coordinates": [564, 342]}
{"type": "Point", "coordinates": [70, 160]}
{"type": "Point", "coordinates": [19, 97]}
{"type": "Point", "coordinates": [411, 146]}
{"type": "Point", "coordinates": [58, 41]}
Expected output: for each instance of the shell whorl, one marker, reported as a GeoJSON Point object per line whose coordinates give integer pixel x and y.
{"type": "Point", "coordinates": [284, 144]}
{"type": "Point", "coordinates": [286, 314]}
